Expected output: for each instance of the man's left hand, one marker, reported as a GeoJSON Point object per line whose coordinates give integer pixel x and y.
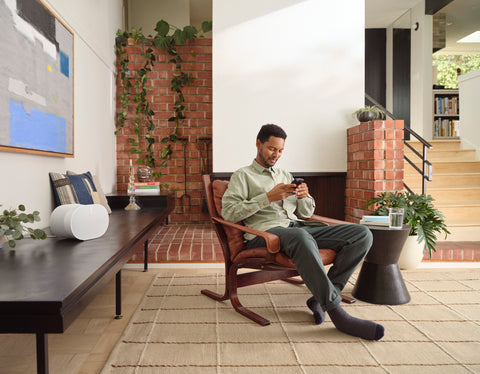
{"type": "Point", "coordinates": [302, 191]}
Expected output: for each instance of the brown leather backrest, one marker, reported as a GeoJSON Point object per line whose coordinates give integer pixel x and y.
{"type": "Point", "coordinates": [234, 236]}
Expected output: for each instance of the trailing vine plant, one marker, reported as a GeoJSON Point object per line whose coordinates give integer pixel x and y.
{"type": "Point", "coordinates": [135, 86]}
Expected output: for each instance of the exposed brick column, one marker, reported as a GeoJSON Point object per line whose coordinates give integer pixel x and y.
{"type": "Point", "coordinates": [197, 57]}
{"type": "Point", "coordinates": [374, 165]}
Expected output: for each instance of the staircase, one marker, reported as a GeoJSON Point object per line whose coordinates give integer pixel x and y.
{"type": "Point", "coordinates": [455, 186]}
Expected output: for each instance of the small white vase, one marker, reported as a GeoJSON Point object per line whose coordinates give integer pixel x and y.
{"type": "Point", "coordinates": [412, 254]}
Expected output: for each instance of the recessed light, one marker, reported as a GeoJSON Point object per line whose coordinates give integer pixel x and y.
{"type": "Point", "coordinates": [474, 37]}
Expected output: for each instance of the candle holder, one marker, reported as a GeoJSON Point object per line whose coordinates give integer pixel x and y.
{"type": "Point", "coordinates": [132, 205]}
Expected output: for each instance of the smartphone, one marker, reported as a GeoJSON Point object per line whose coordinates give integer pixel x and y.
{"type": "Point", "coordinates": [298, 181]}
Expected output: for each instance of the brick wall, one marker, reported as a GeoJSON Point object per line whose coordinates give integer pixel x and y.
{"type": "Point", "coordinates": [197, 56]}
{"type": "Point", "coordinates": [374, 164]}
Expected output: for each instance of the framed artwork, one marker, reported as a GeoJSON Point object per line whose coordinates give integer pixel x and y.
{"type": "Point", "coordinates": [36, 80]}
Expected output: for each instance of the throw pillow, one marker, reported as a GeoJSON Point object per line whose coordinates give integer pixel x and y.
{"type": "Point", "coordinates": [98, 186]}
{"type": "Point", "coordinates": [76, 189]}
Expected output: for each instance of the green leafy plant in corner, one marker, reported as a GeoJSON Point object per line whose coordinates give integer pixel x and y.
{"type": "Point", "coordinates": [135, 86]}
{"type": "Point", "coordinates": [419, 213]}
{"type": "Point", "coordinates": [12, 225]}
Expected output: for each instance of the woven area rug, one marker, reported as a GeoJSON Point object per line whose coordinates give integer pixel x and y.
{"type": "Point", "coordinates": [177, 330]}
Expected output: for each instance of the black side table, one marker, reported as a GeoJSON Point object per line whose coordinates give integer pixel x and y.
{"type": "Point", "coordinates": [380, 280]}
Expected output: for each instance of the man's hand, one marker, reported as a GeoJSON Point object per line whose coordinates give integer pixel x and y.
{"type": "Point", "coordinates": [281, 191]}
{"type": "Point", "coordinates": [302, 191]}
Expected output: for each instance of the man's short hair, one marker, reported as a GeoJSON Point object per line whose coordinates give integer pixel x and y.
{"type": "Point", "coordinates": [270, 130]}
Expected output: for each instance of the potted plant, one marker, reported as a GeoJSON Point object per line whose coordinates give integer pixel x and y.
{"type": "Point", "coordinates": [420, 214]}
{"type": "Point", "coordinates": [369, 113]}
{"type": "Point", "coordinates": [12, 225]}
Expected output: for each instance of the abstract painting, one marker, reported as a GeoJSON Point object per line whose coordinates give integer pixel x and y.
{"type": "Point", "coordinates": [36, 80]}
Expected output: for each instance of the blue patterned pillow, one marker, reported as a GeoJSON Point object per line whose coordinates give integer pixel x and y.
{"type": "Point", "coordinates": [76, 189]}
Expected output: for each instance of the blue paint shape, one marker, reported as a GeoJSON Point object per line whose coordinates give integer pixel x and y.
{"type": "Point", "coordinates": [37, 129]}
{"type": "Point", "coordinates": [64, 64]}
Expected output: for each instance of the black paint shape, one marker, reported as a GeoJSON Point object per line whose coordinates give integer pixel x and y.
{"type": "Point", "coordinates": [39, 17]}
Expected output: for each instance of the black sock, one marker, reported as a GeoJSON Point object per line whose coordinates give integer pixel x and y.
{"type": "Point", "coordinates": [316, 308]}
{"type": "Point", "coordinates": [354, 326]}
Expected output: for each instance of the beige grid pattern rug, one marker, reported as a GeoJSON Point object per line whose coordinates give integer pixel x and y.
{"type": "Point", "coordinates": [177, 330]}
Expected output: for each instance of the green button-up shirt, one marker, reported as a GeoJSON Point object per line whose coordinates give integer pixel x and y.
{"type": "Point", "coordinates": [246, 199]}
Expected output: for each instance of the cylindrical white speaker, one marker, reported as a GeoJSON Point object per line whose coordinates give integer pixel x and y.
{"type": "Point", "coordinates": [82, 222]}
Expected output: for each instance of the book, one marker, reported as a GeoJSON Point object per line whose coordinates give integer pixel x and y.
{"type": "Point", "coordinates": [147, 184]}
{"type": "Point", "coordinates": [375, 220]}
{"type": "Point", "coordinates": [147, 192]}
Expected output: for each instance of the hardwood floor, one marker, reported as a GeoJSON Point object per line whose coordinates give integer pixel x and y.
{"type": "Point", "coordinates": [86, 344]}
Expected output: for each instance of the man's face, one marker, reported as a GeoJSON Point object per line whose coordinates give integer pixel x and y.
{"type": "Point", "coordinates": [269, 152]}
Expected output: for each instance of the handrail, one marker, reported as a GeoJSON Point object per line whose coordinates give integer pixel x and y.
{"type": "Point", "coordinates": [427, 169]}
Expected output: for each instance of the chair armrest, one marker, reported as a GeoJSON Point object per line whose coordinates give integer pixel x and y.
{"type": "Point", "coordinates": [330, 221]}
{"type": "Point", "coordinates": [273, 241]}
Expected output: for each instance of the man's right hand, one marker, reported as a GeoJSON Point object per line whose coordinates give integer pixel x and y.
{"type": "Point", "coordinates": [281, 192]}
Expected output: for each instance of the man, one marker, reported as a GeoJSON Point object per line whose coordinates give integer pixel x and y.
{"type": "Point", "coordinates": [263, 197]}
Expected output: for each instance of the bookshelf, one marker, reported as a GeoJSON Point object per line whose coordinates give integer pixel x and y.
{"type": "Point", "coordinates": [446, 114]}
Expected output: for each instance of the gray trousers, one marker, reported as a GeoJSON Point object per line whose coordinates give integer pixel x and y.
{"type": "Point", "coordinates": [301, 243]}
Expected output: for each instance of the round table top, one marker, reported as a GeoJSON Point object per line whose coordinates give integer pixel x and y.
{"type": "Point", "coordinates": [378, 227]}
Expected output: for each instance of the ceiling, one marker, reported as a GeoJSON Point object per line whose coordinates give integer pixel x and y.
{"type": "Point", "coordinates": [462, 18]}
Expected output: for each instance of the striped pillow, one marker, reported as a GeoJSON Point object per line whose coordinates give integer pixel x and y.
{"type": "Point", "coordinates": [76, 189]}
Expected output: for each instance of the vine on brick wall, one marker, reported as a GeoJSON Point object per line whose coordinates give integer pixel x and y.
{"type": "Point", "coordinates": [135, 86]}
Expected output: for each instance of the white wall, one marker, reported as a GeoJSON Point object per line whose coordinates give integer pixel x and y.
{"type": "Point", "coordinates": [421, 72]}
{"type": "Point", "coordinates": [469, 87]}
{"type": "Point", "coordinates": [24, 177]}
{"type": "Point", "coordinates": [298, 64]}
{"type": "Point", "coordinates": [146, 14]}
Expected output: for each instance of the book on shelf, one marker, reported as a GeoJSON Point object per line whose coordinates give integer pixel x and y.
{"type": "Point", "coordinates": [147, 188]}
{"type": "Point", "coordinates": [147, 184]}
{"type": "Point", "coordinates": [375, 220]}
{"type": "Point", "coordinates": [446, 127]}
{"type": "Point", "coordinates": [446, 105]}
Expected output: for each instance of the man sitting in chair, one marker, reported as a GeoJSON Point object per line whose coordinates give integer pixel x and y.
{"type": "Point", "coordinates": [264, 198]}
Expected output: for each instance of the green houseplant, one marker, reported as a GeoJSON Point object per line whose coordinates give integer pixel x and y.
{"type": "Point", "coordinates": [369, 113]}
{"type": "Point", "coordinates": [136, 83]}
{"type": "Point", "coordinates": [420, 214]}
{"type": "Point", "coordinates": [12, 225]}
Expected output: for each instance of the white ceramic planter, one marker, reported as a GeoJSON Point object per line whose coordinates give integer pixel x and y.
{"type": "Point", "coordinates": [411, 255]}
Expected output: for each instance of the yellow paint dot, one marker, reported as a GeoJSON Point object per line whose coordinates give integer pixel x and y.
{"type": "Point", "coordinates": [49, 68]}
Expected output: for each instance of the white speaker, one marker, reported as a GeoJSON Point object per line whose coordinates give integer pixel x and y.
{"type": "Point", "coordinates": [82, 222]}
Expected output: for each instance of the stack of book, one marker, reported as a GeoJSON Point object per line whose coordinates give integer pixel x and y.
{"type": "Point", "coordinates": [375, 220]}
{"type": "Point", "coordinates": [147, 188]}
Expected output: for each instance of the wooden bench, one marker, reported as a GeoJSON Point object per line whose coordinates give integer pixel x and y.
{"type": "Point", "coordinates": [46, 284]}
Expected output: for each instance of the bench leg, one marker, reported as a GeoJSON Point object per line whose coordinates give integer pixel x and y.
{"type": "Point", "coordinates": [118, 295]}
{"type": "Point", "coordinates": [145, 255]}
{"type": "Point", "coordinates": [42, 353]}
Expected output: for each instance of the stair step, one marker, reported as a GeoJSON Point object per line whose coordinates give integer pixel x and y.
{"type": "Point", "coordinates": [455, 185]}
{"type": "Point", "coordinates": [460, 212]}
{"type": "Point", "coordinates": [448, 194]}
{"type": "Point", "coordinates": [460, 233]}
{"type": "Point", "coordinates": [437, 144]}
{"type": "Point", "coordinates": [445, 180]}
{"type": "Point", "coordinates": [445, 155]}
{"type": "Point", "coordinates": [446, 166]}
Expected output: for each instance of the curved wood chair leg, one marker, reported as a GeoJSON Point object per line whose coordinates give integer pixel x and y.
{"type": "Point", "coordinates": [238, 305]}
{"type": "Point", "coordinates": [217, 296]}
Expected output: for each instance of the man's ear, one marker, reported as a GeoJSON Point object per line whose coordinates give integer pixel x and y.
{"type": "Point", "coordinates": [258, 143]}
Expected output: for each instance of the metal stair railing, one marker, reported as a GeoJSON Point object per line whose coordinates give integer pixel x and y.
{"type": "Point", "coordinates": [427, 170]}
